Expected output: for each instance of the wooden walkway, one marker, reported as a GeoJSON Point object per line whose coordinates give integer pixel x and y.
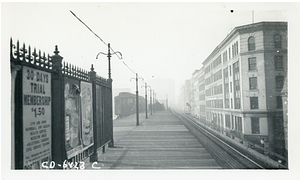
{"type": "Point", "coordinates": [159, 142]}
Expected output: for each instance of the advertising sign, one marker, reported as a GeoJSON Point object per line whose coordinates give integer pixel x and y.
{"type": "Point", "coordinates": [86, 114]}
{"type": "Point", "coordinates": [36, 116]}
{"type": "Point", "coordinates": [72, 120]}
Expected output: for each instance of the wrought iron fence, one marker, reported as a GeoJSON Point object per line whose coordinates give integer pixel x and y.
{"type": "Point", "coordinates": [60, 112]}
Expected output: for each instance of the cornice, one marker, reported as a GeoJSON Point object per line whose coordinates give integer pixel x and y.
{"type": "Point", "coordinates": [260, 26]}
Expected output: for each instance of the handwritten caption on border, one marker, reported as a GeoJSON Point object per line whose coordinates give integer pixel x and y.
{"type": "Point", "coordinates": [69, 165]}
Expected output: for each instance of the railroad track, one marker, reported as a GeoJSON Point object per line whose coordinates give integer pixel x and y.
{"type": "Point", "coordinates": [227, 156]}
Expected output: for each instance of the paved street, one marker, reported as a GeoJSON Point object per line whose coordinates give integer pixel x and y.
{"type": "Point", "coordinates": [159, 142]}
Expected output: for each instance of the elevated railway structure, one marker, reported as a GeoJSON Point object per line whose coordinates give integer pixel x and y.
{"type": "Point", "coordinates": [173, 140]}
{"type": "Point", "coordinates": [227, 152]}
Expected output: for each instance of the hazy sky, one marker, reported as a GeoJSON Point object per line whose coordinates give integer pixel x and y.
{"type": "Point", "coordinates": [157, 40]}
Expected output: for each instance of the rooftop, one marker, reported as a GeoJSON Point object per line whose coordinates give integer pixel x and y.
{"type": "Point", "coordinates": [245, 29]}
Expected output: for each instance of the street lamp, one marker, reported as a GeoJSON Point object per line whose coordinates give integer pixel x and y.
{"type": "Point", "coordinates": [137, 99]}
{"type": "Point", "coordinates": [109, 55]}
{"type": "Point", "coordinates": [146, 99]}
{"type": "Point", "coordinates": [150, 99]}
{"type": "Point", "coordinates": [111, 144]}
{"type": "Point", "coordinates": [153, 102]}
{"type": "Point", "coordinates": [167, 103]}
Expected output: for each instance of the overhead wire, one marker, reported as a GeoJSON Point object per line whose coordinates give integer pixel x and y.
{"type": "Point", "coordinates": [88, 27]}
{"type": "Point", "coordinates": [120, 58]}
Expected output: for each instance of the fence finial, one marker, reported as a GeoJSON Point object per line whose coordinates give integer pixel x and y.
{"type": "Point", "coordinates": [56, 60]}
{"type": "Point", "coordinates": [56, 50]}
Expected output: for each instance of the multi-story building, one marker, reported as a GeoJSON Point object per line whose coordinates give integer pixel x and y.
{"type": "Point", "coordinates": [202, 114]}
{"type": "Point", "coordinates": [195, 101]}
{"type": "Point", "coordinates": [187, 99]}
{"type": "Point", "coordinates": [244, 77]}
{"type": "Point", "coordinates": [180, 104]}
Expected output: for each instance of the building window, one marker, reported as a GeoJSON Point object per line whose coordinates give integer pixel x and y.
{"type": "Point", "coordinates": [225, 57]}
{"type": "Point", "coordinates": [230, 86]}
{"type": "Point", "coordinates": [279, 102]}
{"type": "Point", "coordinates": [278, 62]}
{"type": "Point", "coordinates": [226, 87]}
{"type": "Point", "coordinates": [254, 102]}
{"type": "Point", "coordinates": [232, 122]}
{"type": "Point", "coordinates": [235, 50]}
{"type": "Point", "coordinates": [227, 121]}
{"type": "Point", "coordinates": [237, 103]}
{"type": "Point", "coordinates": [236, 85]}
{"type": "Point", "coordinates": [227, 103]}
{"type": "Point", "coordinates": [251, 43]}
{"type": "Point", "coordinates": [255, 125]}
{"type": "Point", "coordinates": [253, 83]}
{"type": "Point", "coordinates": [277, 41]}
{"type": "Point", "coordinates": [252, 63]}
{"type": "Point", "coordinates": [279, 82]}
{"type": "Point", "coordinates": [238, 124]}
{"type": "Point", "coordinates": [235, 123]}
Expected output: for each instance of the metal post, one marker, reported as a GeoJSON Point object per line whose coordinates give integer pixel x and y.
{"type": "Point", "coordinates": [109, 55]}
{"type": "Point", "coordinates": [151, 101]}
{"type": "Point", "coordinates": [146, 100]}
{"type": "Point", "coordinates": [137, 101]}
{"type": "Point", "coordinates": [58, 110]}
{"type": "Point", "coordinates": [111, 144]}
{"type": "Point", "coordinates": [167, 102]}
{"type": "Point", "coordinates": [92, 74]}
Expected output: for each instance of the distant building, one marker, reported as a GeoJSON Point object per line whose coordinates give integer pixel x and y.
{"type": "Point", "coordinates": [180, 104]}
{"type": "Point", "coordinates": [244, 77]}
{"type": "Point", "coordinates": [164, 89]}
{"type": "Point", "coordinates": [187, 96]}
{"type": "Point", "coordinates": [202, 96]}
{"type": "Point", "coordinates": [195, 101]}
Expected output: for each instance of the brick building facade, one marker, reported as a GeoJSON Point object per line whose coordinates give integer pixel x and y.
{"type": "Point", "coordinates": [242, 79]}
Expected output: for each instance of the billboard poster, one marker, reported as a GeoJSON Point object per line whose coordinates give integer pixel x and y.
{"type": "Point", "coordinates": [86, 114]}
{"type": "Point", "coordinates": [36, 116]}
{"type": "Point", "coordinates": [72, 120]}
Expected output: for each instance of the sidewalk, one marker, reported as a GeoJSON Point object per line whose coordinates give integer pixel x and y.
{"type": "Point", "coordinates": [159, 142]}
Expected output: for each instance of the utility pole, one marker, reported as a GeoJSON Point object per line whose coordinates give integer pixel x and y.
{"type": "Point", "coordinates": [150, 99]}
{"type": "Point", "coordinates": [111, 144]}
{"type": "Point", "coordinates": [109, 56]}
{"type": "Point", "coordinates": [167, 102]}
{"type": "Point", "coordinates": [137, 101]}
{"type": "Point", "coordinates": [153, 102]}
{"type": "Point", "coordinates": [137, 98]}
{"type": "Point", "coordinates": [146, 100]}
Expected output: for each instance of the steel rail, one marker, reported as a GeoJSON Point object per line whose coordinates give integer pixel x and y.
{"type": "Point", "coordinates": [211, 135]}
